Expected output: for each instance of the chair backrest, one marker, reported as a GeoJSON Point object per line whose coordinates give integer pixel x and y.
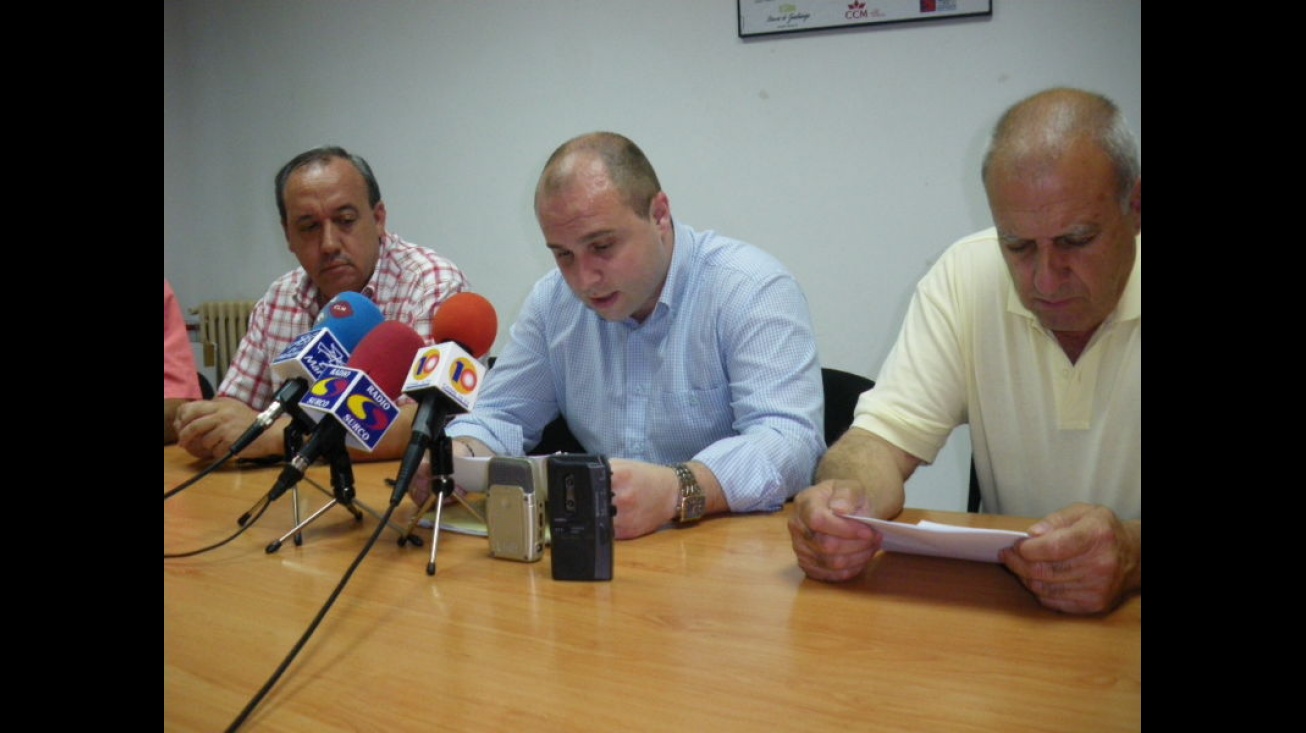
{"type": "Point", "coordinates": [206, 387]}
{"type": "Point", "coordinates": [973, 498]}
{"type": "Point", "coordinates": [842, 390]}
{"type": "Point", "coordinates": [557, 438]}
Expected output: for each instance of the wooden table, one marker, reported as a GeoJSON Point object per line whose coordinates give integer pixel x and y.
{"type": "Point", "coordinates": [710, 628]}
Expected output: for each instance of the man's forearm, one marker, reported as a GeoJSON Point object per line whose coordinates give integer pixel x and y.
{"type": "Point", "coordinates": [879, 467]}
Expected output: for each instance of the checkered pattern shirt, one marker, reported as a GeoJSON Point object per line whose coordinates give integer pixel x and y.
{"type": "Point", "coordinates": [408, 284]}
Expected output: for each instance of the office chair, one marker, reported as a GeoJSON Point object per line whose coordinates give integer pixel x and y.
{"type": "Point", "coordinates": [973, 500]}
{"type": "Point", "coordinates": [557, 438]}
{"type": "Point", "coordinates": [842, 390]}
{"type": "Point", "coordinates": [206, 388]}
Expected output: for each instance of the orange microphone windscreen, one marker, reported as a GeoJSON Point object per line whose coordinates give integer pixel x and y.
{"type": "Point", "coordinates": [467, 319]}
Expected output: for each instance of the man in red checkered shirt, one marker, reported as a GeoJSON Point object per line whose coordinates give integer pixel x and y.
{"type": "Point", "coordinates": [334, 222]}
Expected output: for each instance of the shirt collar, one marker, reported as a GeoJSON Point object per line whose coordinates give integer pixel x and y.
{"type": "Point", "coordinates": [680, 271]}
{"type": "Point", "coordinates": [678, 275]}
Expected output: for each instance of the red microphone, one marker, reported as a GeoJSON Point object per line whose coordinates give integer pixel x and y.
{"type": "Point", "coordinates": [382, 352]}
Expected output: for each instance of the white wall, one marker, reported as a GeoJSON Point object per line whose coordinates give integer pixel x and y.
{"type": "Point", "coordinates": [850, 154]}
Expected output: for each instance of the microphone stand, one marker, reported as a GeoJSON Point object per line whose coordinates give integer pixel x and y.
{"type": "Point", "coordinates": [342, 494]}
{"type": "Point", "coordinates": [428, 436]}
{"type": "Point", "coordinates": [292, 442]}
{"type": "Point", "coordinates": [342, 484]}
{"type": "Point", "coordinates": [442, 487]}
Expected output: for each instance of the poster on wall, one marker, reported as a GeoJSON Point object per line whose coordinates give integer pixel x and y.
{"type": "Point", "coordinates": [768, 17]}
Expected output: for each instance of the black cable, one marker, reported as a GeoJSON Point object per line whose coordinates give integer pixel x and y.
{"type": "Point", "coordinates": [195, 479]}
{"type": "Point", "coordinates": [299, 645]}
{"type": "Point", "coordinates": [256, 462]}
{"type": "Point", "coordinates": [246, 522]}
{"type": "Point", "coordinates": [239, 532]}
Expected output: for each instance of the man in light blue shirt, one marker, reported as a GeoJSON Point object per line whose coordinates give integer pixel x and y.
{"type": "Point", "coordinates": [687, 358]}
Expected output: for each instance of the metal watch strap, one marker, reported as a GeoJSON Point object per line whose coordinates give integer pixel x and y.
{"type": "Point", "coordinates": [691, 505]}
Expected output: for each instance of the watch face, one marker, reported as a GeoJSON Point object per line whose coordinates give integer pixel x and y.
{"type": "Point", "coordinates": [692, 504]}
{"type": "Point", "coordinates": [695, 506]}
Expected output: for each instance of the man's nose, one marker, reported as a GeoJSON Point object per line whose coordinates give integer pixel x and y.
{"type": "Point", "coordinates": [1050, 269]}
{"type": "Point", "coordinates": [589, 272]}
{"type": "Point", "coordinates": [330, 238]}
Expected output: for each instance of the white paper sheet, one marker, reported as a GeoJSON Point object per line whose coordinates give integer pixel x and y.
{"type": "Point", "coordinates": [472, 474]}
{"type": "Point", "coordinates": [943, 540]}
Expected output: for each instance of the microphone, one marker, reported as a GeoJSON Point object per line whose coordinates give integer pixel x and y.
{"type": "Point", "coordinates": [352, 403]}
{"type": "Point", "coordinates": [350, 316]}
{"type": "Point", "coordinates": [343, 322]}
{"type": "Point", "coordinates": [469, 320]}
{"type": "Point", "coordinates": [446, 378]}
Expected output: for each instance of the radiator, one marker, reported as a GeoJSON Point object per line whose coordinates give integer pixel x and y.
{"type": "Point", "coordinates": [223, 323]}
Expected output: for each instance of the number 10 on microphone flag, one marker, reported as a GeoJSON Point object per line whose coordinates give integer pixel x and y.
{"type": "Point", "coordinates": [448, 369]}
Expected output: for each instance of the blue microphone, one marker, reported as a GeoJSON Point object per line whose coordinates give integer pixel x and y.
{"type": "Point", "coordinates": [349, 316]}
{"type": "Point", "coordinates": [343, 322]}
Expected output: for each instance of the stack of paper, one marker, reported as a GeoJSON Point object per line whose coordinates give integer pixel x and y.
{"type": "Point", "coordinates": [943, 540]}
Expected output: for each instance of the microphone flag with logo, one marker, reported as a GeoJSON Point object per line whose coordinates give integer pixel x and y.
{"type": "Point", "coordinates": [342, 324]}
{"type": "Point", "coordinates": [352, 404]}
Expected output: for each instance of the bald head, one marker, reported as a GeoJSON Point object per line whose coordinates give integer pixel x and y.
{"type": "Point", "coordinates": [1037, 133]}
{"type": "Point", "coordinates": [607, 223]}
{"type": "Point", "coordinates": [601, 157]}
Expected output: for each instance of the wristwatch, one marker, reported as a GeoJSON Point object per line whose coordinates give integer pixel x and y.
{"type": "Point", "coordinates": [691, 505]}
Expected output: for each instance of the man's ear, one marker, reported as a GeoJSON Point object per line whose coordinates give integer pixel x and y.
{"type": "Point", "coordinates": [660, 209]}
{"type": "Point", "coordinates": [378, 212]}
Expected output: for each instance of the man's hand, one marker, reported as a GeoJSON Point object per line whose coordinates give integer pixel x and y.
{"type": "Point", "coordinates": [208, 429]}
{"type": "Point", "coordinates": [831, 547]}
{"type": "Point", "coordinates": [1082, 559]}
{"type": "Point", "coordinates": [645, 497]}
{"type": "Point", "coordinates": [419, 490]}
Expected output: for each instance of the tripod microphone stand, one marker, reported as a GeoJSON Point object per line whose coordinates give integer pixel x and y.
{"type": "Point", "coordinates": [342, 486]}
{"type": "Point", "coordinates": [342, 494]}
{"type": "Point", "coordinates": [442, 487]}
{"type": "Point", "coordinates": [293, 442]}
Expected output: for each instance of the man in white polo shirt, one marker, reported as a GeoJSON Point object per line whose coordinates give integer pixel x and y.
{"type": "Point", "coordinates": [1031, 333]}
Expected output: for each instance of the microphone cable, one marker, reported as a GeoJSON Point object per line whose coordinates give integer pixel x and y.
{"type": "Point", "coordinates": [216, 545]}
{"type": "Point", "coordinates": [247, 520]}
{"type": "Point", "coordinates": [255, 462]}
{"type": "Point", "coordinates": [317, 620]}
{"type": "Point", "coordinates": [196, 478]}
